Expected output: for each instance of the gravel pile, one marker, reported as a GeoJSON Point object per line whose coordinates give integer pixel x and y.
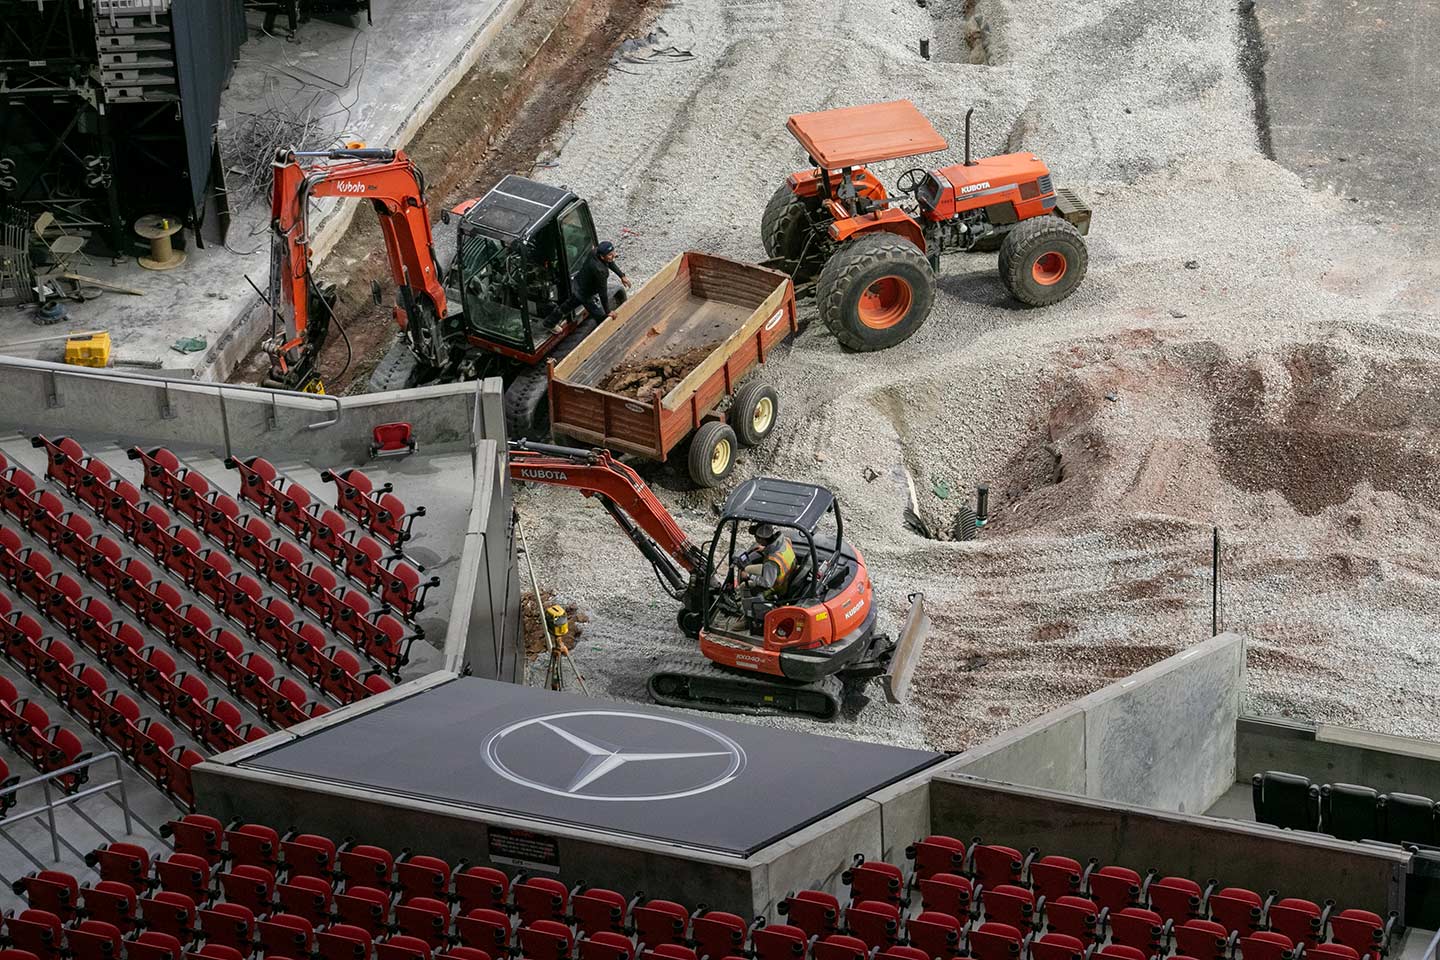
{"type": "Point", "coordinates": [1242, 354]}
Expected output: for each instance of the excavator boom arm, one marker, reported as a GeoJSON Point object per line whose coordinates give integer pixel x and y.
{"type": "Point", "coordinates": [396, 189]}
{"type": "Point", "coordinates": [628, 498]}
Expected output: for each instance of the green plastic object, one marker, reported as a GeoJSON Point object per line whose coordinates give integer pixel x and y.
{"type": "Point", "coordinates": [189, 345]}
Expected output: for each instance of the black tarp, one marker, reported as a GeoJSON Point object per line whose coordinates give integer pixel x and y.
{"type": "Point", "coordinates": [625, 768]}
{"type": "Point", "coordinates": [208, 35]}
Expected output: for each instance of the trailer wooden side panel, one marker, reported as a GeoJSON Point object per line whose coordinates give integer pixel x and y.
{"type": "Point", "coordinates": [695, 300]}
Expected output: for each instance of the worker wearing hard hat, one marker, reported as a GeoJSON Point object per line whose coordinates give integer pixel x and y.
{"type": "Point", "coordinates": [766, 567]}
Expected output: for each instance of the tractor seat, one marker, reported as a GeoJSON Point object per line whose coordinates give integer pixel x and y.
{"type": "Point", "coordinates": [799, 579]}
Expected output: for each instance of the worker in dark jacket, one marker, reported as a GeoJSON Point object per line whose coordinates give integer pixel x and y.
{"type": "Point", "coordinates": [765, 568]}
{"type": "Point", "coordinates": [593, 281]}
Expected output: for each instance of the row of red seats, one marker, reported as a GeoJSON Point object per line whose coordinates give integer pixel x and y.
{"type": "Point", "coordinates": [375, 508]}
{"type": "Point", "coordinates": [52, 663]}
{"type": "Point", "coordinates": [218, 652]}
{"type": "Point", "coordinates": [396, 582]}
{"type": "Point", "coordinates": [374, 633]}
{"type": "Point", "coordinates": [111, 715]}
{"type": "Point", "coordinates": [1091, 902]}
{"type": "Point", "coordinates": [160, 606]}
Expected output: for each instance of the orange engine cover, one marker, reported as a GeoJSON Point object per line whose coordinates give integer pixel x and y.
{"type": "Point", "coordinates": [1009, 177]}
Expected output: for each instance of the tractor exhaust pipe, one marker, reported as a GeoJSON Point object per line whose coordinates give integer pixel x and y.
{"type": "Point", "coordinates": [982, 505]}
{"type": "Point", "coordinates": [968, 161]}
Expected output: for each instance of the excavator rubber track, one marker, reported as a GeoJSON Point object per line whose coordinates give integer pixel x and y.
{"type": "Point", "coordinates": [706, 686]}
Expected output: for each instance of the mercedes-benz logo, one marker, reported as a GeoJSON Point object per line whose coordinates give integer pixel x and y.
{"type": "Point", "coordinates": [614, 755]}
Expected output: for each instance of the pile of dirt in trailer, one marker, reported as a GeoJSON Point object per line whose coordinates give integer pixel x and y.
{"type": "Point", "coordinates": [641, 378]}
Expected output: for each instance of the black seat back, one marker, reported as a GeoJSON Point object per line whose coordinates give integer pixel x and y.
{"type": "Point", "coordinates": [1349, 812]}
{"type": "Point", "coordinates": [1286, 800]}
{"type": "Point", "coordinates": [1407, 818]}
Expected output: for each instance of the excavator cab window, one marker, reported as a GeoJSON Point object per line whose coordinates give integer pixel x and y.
{"type": "Point", "coordinates": [577, 232]}
{"type": "Point", "coordinates": [493, 279]}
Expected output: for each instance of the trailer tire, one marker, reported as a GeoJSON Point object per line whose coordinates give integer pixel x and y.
{"type": "Point", "coordinates": [753, 412]}
{"type": "Point", "coordinates": [876, 291]}
{"type": "Point", "coordinates": [527, 407]}
{"type": "Point", "coordinates": [1042, 261]}
{"type": "Point", "coordinates": [712, 453]}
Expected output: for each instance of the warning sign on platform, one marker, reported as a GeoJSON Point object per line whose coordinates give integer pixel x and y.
{"type": "Point", "coordinates": [524, 848]}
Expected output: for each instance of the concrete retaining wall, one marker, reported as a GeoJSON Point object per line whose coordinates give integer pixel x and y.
{"type": "Point", "coordinates": [1329, 754]}
{"type": "Point", "coordinates": [1164, 738]}
{"type": "Point", "coordinates": [1240, 854]}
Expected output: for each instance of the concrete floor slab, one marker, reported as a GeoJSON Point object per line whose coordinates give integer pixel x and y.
{"type": "Point", "coordinates": [374, 83]}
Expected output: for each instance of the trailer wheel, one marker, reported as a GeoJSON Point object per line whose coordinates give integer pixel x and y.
{"type": "Point", "coordinates": [1042, 261]}
{"type": "Point", "coordinates": [753, 412]}
{"type": "Point", "coordinates": [712, 453]}
{"type": "Point", "coordinates": [876, 291]}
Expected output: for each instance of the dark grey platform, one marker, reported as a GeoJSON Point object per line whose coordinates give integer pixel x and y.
{"type": "Point", "coordinates": [628, 769]}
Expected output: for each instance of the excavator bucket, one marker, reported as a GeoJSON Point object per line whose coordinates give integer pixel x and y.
{"type": "Point", "coordinates": [908, 648]}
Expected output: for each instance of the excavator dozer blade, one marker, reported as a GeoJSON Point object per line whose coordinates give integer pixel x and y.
{"type": "Point", "coordinates": [906, 654]}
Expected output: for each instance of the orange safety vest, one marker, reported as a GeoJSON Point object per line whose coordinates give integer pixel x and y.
{"type": "Point", "coordinates": [782, 554]}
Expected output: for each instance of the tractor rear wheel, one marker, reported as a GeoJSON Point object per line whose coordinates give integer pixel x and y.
{"type": "Point", "coordinates": [786, 226]}
{"type": "Point", "coordinates": [876, 291]}
{"type": "Point", "coordinates": [712, 453]}
{"type": "Point", "coordinates": [1042, 261]}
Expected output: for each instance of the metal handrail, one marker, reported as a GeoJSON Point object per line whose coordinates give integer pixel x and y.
{"type": "Point", "coordinates": [1432, 952]}
{"type": "Point", "coordinates": [51, 804]}
{"type": "Point", "coordinates": [219, 388]}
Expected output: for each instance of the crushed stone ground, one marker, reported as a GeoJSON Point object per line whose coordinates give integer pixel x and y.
{"type": "Point", "coordinates": [1244, 353]}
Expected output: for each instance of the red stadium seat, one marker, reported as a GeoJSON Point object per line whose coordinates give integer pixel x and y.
{"type": "Point", "coordinates": [938, 934]}
{"type": "Point", "coordinates": [995, 941]}
{"type": "Point", "coordinates": [402, 947]}
{"type": "Point", "coordinates": [50, 890]}
{"type": "Point", "coordinates": [839, 946]}
{"type": "Point", "coordinates": [426, 918]}
{"type": "Point", "coordinates": [1303, 921]}
{"type": "Point", "coordinates": [1009, 904]}
{"type": "Point", "coordinates": [1139, 928]}
{"type": "Point", "coordinates": [1237, 909]}
{"type": "Point", "coordinates": [546, 940]}
{"type": "Point", "coordinates": [365, 907]}
{"type": "Point", "coordinates": [250, 886]}
{"type": "Point", "coordinates": [125, 863]}
{"type": "Point", "coordinates": [604, 945]}
{"type": "Point", "coordinates": [154, 945]}
{"type": "Point", "coordinates": [37, 932]}
{"type": "Point", "coordinates": [308, 896]}
{"type": "Point", "coordinates": [184, 873]}
{"type": "Point", "coordinates": [1055, 876]}
{"type": "Point", "coordinates": [1114, 888]}
{"type": "Point", "coordinates": [779, 941]}
{"type": "Point", "coordinates": [360, 863]}
{"type": "Point", "coordinates": [305, 854]}
{"type": "Point", "coordinates": [875, 922]}
{"type": "Point", "coordinates": [1073, 916]}
{"type": "Point", "coordinates": [93, 940]}
{"type": "Point", "coordinates": [111, 902]}
{"type": "Point", "coordinates": [947, 893]}
{"type": "Point", "coordinates": [1365, 932]}
{"type": "Point", "coordinates": [287, 935]}
{"type": "Point", "coordinates": [169, 913]}
{"type": "Point", "coordinates": [596, 909]}
{"type": "Point", "coordinates": [1177, 899]}
{"type": "Point", "coordinates": [1333, 951]}
{"type": "Point", "coordinates": [343, 941]}
{"type": "Point", "coordinates": [874, 880]}
{"type": "Point", "coordinates": [228, 925]}
{"type": "Point", "coordinates": [814, 911]}
{"type": "Point", "coordinates": [484, 929]}
{"type": "Point", "coordinates": [1116, 951]}
{"type": "Point", "coordinates": [1056, 946]}
{"type": "Point", "coordinates": [716, 933]}
{"type": "Point", "coordinates": [656, 921]}
{"type": "Point", "coordinates": [1267, 945]}
{"type": "Point", "coordinates": [994, 864]}
{"type": "Point", "coordinates": [1204, 939]}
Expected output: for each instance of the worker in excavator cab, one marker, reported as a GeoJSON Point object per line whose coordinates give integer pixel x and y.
{"type": "Point", "coordinates": [765, 569]}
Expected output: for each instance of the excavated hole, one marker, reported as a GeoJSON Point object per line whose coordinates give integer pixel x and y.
{"type": "Point", "coordinates": [960, 34]}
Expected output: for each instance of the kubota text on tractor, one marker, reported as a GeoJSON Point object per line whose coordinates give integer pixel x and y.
{"type": "Point", "coordinates": [794, 654]}
{"type": "Point", "coordinates": [874, 256]}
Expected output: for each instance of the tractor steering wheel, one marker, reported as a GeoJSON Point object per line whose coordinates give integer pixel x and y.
{"type": "Point", "coordinates": [909, 181]}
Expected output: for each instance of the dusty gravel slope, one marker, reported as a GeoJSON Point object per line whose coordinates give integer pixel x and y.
{"type": "Point", "coordinates": [1271, 363]}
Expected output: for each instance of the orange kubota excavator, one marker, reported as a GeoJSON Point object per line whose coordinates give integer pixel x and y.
{"type": "Point", "coordinates": [502, 306]}
{"type": "Point", "coordinates": [798, 652]}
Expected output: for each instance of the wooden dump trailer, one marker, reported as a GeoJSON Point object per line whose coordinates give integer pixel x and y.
{"type": "Point", "coordinates": [708, 321]}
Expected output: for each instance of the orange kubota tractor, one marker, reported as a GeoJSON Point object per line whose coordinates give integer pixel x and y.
{"type": "Point", "coordinates": [502, 307]}
{"type": "Point", "coordinates": [798, 652]}
{"type": "Point", "coordinates": [876, 254]}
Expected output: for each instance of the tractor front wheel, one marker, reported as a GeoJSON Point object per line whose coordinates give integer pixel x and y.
{"type": "Point", "coordinates": [876, 291]}
{"type": "Point", "coordinates": [1042, 261]}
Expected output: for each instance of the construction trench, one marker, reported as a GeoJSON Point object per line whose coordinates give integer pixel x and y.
{"type": "Point", "coordinates": [1246, 353]}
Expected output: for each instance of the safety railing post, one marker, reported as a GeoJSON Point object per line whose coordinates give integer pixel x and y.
{"type": "Point", "coordinates": [50, 815]}
{"type": "Point", "coordinates": [124, 797]}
